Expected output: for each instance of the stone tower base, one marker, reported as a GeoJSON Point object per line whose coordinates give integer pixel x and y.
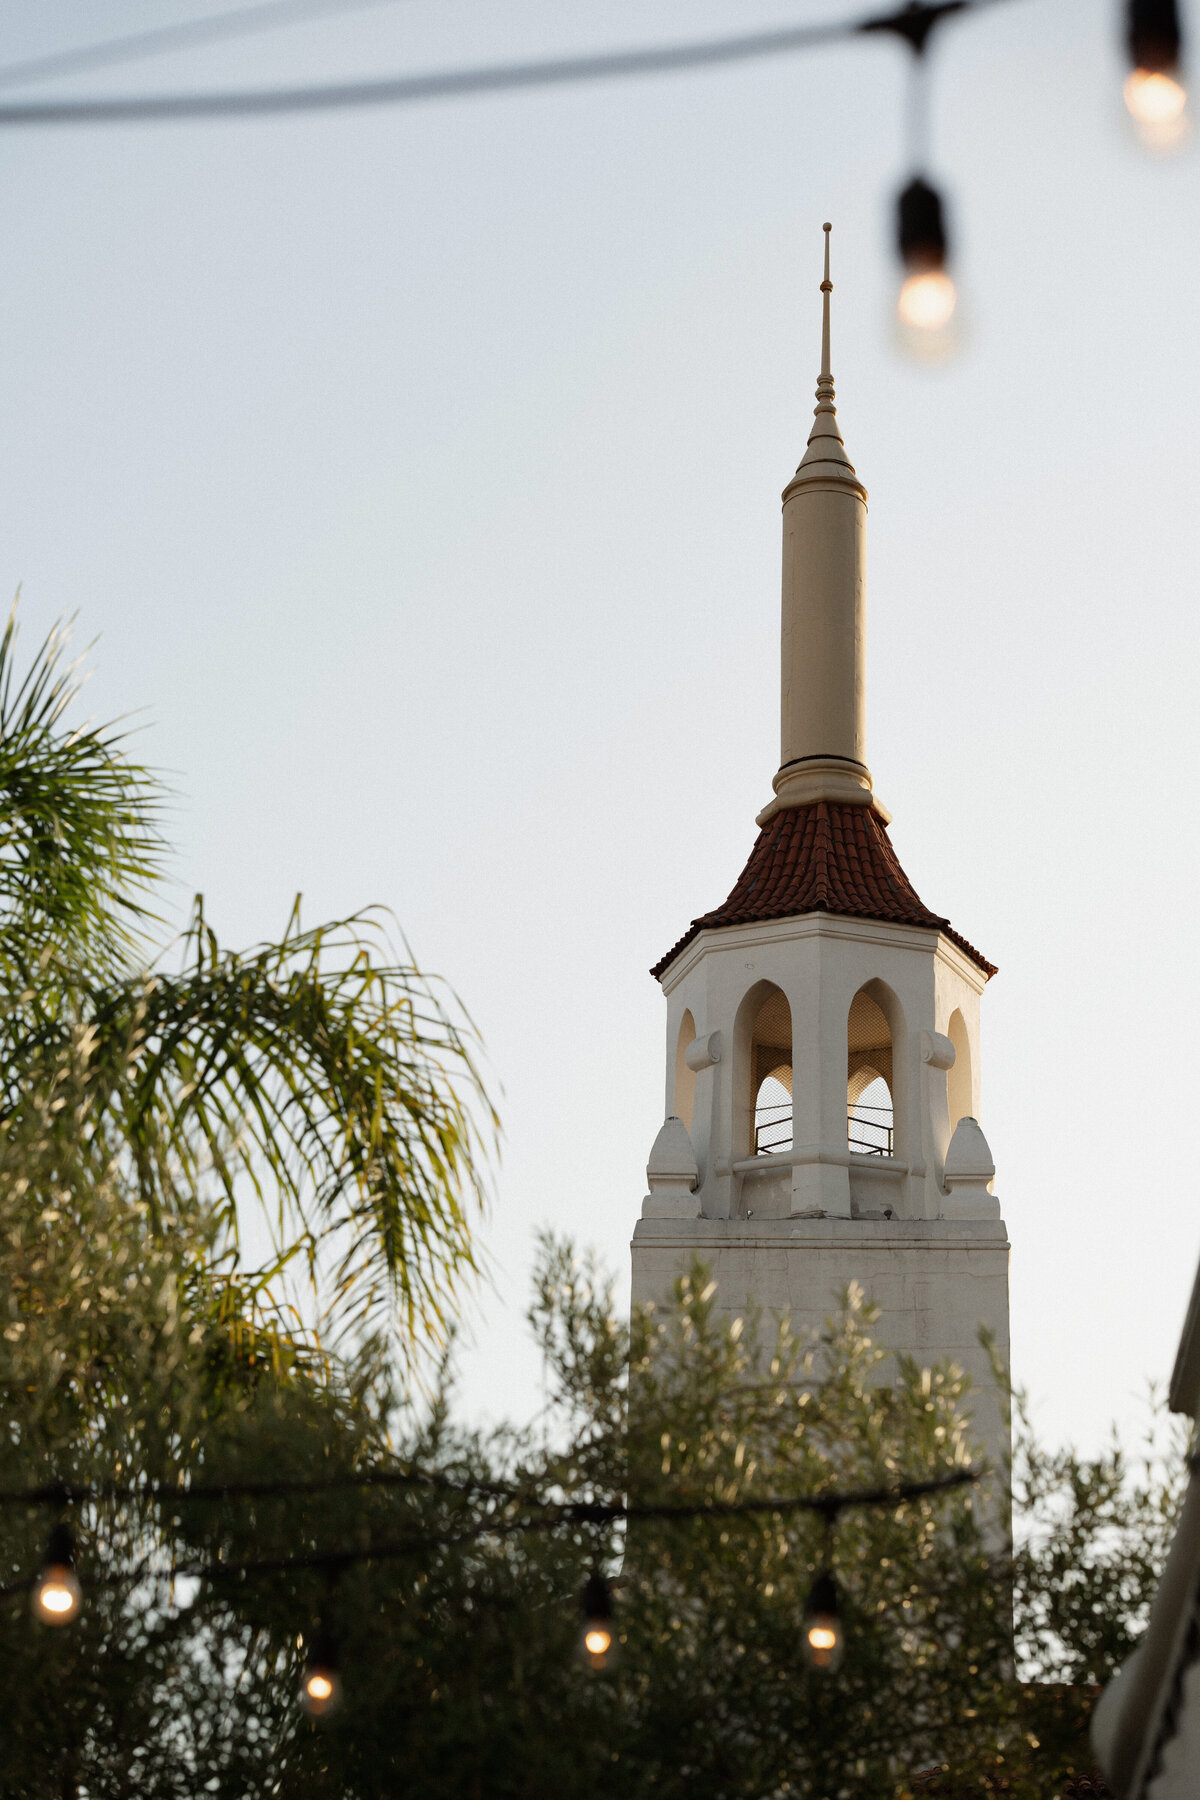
{"type": "Point", "coordinates": [936, 1282]}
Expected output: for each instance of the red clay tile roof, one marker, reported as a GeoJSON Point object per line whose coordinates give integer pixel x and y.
{"type": "Point", "coordinates": [822, 858]}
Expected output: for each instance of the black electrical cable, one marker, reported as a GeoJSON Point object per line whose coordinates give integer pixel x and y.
{"type": "Point", "coordinates": [66, 1493]}
{"type": "Point", "coordinates": [553, 1517]}
{"type": "Point", "coordinates": [188, 34]}
{"type": "Point", "coordinates": [399, 90]}
{"type": "Point", "coordinates": [59, 1494]}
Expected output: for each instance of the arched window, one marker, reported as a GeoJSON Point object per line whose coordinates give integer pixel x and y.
{"type": "Point", "coordinates": [771, 1073]}
{"type": "Point", "coordinates": [869, 1112]}
{"type": "Point", "coordinates": [685, 1078]}
{"type": "Point", "coordinates": [958, 1081]}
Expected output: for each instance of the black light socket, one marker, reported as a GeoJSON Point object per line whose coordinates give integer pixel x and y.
{"type": "Point", "coordinates": [921, 228]}
{"type": "Point", "coordinates": [1152, 35]}
{"type": "Point", "coordinates": [60, 1550]}
{"type": "Point", "coordinates": [596, 1600]}
{"type": "Point", "coordinates": [823, 1596]}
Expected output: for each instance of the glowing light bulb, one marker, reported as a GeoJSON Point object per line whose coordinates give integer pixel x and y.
{"type": "Point", "coordinates": [927, 300]}
{"type": "Point", "coordinates": [1156, 100]}
{"type": "Point", "coordinates": [927, 303]}
{"type": "Point", "coordinates": [598, 1639]}
{"type": "Point", "coordinates": [321, 1692]}
{"type": "Point", "coordinates": [823, 1640]}
{"type": "Point", "coordinates": [321, 1687]}
{"type": "Point", "coordinates": [1154, 91]}
{"type": "Point", "coordinates": [1153, 96]}
{"type": "Point", "coordinates": [57, 1595]}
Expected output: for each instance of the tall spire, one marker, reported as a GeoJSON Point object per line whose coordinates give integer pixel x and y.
{"type": "Point", "coordinates": [825, 439]}
{"type": "Point", "coordinates": [826, 375]}
{"type": "Point", "coordinates": [825, 378]}
{"type": "Point", "coordinates": [823, 698]}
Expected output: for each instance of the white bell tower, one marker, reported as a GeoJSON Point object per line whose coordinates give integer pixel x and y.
{"type": "Point", "coordinates": [822, 1090]}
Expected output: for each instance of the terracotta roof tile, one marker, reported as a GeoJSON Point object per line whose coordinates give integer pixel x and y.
{"type": "Point", "coordinates": [822, 858]}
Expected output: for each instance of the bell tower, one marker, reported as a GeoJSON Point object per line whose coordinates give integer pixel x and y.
{"type": "Point", "coordinates": [823, 1064]}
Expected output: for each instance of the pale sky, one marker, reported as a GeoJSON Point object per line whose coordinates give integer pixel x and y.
{"type": "Point", "coordinates": [419, 475]}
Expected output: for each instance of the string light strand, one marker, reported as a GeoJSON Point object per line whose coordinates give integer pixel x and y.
{"type": "Point", "coordinates": [76, 1493]}
{"type": "Point", "coordinates": [186, 34]}
{"type": "Point", "coordinates": [58, 1494]}
{"type": "Point", "coordinates": [553, 1517]}
{"type": "Point", "coordinates": [448, 84]}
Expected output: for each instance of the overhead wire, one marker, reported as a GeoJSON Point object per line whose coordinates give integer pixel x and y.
{"type": "Point", "coordinates": [187, 34]}
{"type": "Point", "coordinates": [69, 1494]}
{"type": "Point", "coordinates": [491, 78]}
{"type": "Point", "coordinates": [554, 1516]}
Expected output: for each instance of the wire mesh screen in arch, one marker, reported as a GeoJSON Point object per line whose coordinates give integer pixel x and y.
{"type": "Point", "coordinates": [870, 1122]}
{"type": "Point", "coordinates": [771, 1040]}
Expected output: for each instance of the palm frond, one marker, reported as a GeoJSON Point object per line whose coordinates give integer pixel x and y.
{"type": "Point", "coordinates": [330, 1082]}
{"type": "Point", "coordinates": [321, 1079]}
{"type": "Point", "coordinates": [79, 837]}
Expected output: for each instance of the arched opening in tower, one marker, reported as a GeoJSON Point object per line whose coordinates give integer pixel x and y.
{"type": "Point", "coordinates": [685, 1079]}
{"type": "Point", "coordinates": [958, 1081]}
{"type": "Point", "coordinates": [771, 1074]}
{"type": "Point", "coordinates": [870, 1119]}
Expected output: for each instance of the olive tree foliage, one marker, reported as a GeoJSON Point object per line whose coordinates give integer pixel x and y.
{"type": "Point", "coordinates": [453, 1592]}
{"type": "Point", "coordinates": [1092, 1537]}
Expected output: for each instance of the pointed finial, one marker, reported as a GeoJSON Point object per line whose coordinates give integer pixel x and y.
{"type": "Point", "coordinates": [825, 446]}
{"type": "Point", "coordinates": [825, 379]}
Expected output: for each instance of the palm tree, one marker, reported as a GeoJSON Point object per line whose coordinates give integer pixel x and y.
{"type": "Point", "coordinates": [320, 1079]}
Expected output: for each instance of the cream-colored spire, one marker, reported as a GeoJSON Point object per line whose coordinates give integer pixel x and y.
{"type": "Point", "coordinates": [825, 439]}
{"type": "Point", "coordinates": [823, 711]}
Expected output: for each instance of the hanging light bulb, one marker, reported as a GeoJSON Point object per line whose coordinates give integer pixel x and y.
{"type": "Point", "coordinates": [598, 1638]}
{"type": "Point", "coordinates": [823, 1636]}
{"type": "Point", "coordinates": [1154, 90]}
{"type": "Point", "coordinates": [321, 1686]}
{"type": "Point", "coordinates": [927, 302]}
{"type": "Point", "coordinates": [57, 1595]}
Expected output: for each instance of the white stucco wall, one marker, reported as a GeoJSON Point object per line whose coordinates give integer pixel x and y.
{"type": "Point", "coordinates": [937, 1282]}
